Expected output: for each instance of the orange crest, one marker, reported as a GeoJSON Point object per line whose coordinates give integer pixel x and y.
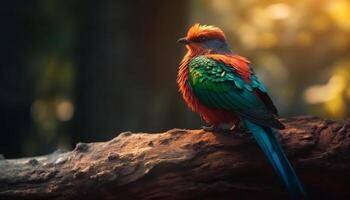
{"type": "Point", "coordinates": [198, 30]}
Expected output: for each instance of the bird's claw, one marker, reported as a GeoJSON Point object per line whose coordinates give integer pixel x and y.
{"type": "Point", "coordinates": [215, 129]}
{"type": "Point", "coordinates": [209, 128]}
{"type": "Point", "coordinates": [238, 129]}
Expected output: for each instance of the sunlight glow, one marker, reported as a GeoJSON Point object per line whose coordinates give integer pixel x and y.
{"type": "Point", "coordinates": [279, 11]}
{"type": "Point", "coordinates": [332, 95]}
{"type": "Point", "coordinates": [301, 34]}
{"type": "Point", "coordinates": [339, 10]}
{"type": "Point", "coordinates": [247, 36]}
{"type": "Point", "coordinates": [267, 40]}
{"type": "Point", "coordinates": [304, 38]}
{"type": "Point", "coordinates": [323, 93]}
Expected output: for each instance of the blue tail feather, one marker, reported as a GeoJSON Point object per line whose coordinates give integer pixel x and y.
{"type": "Point", "coordinates": [269, 144]}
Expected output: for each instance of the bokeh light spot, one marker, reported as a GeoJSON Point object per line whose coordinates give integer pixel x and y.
{"type": "Point", "coordinates": [65, 110]}
{"type": "Point", "coordinates": [267, 40]}
{"type": "Point", "coordinates": [323, 93]}
{"type": "Point", "coordinates": [279, 11]}
{"type": "Point", "coordinates": [304, 38]}
{"type": "Point", "coordinates": [247, 36]}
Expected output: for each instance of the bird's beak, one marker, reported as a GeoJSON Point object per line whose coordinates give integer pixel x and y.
{"type": "Point", "coordinates": [183, 40]}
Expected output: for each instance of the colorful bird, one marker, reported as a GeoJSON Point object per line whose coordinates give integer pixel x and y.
{"type": "Point", "coordinates": [222, 88]}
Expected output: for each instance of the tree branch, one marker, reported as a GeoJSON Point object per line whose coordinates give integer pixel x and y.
{"type": "Point", "coordinates": [186, 164]}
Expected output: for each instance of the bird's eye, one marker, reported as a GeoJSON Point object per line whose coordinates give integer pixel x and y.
{"type": "Point", "coordinates": [201, 39]}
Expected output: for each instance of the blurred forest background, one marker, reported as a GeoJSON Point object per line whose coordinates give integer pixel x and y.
{"type": "Point", "coordinates": [86, 70]}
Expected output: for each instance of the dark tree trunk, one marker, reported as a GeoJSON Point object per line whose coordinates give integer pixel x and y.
{"type": "Point", "coordinates": [125, 47]}
{"type": "Point", "coordinates": [16, 94]}
{"type": "Point", "coordinates": [186, 164]}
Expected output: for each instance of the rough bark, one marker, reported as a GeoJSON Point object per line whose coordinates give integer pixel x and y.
{"type": "Point", "coordinates": [186, 164]}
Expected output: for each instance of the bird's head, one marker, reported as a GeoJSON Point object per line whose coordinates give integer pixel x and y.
{"type": "Point", "coordinates": [203, 39]}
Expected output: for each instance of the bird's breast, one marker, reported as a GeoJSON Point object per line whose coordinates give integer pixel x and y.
{"type": "Point", "coordinates": [210, 115]}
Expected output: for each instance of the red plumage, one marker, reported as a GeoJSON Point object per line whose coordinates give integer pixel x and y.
{"type": "Point", "coordinates": [211, 116]}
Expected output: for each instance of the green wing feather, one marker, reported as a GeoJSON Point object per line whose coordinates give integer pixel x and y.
{"type": "Point", "coordinates": [218, 86]}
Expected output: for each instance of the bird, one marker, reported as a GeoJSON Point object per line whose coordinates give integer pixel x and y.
{"type": "Point", "coordinates": [222, 88]}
